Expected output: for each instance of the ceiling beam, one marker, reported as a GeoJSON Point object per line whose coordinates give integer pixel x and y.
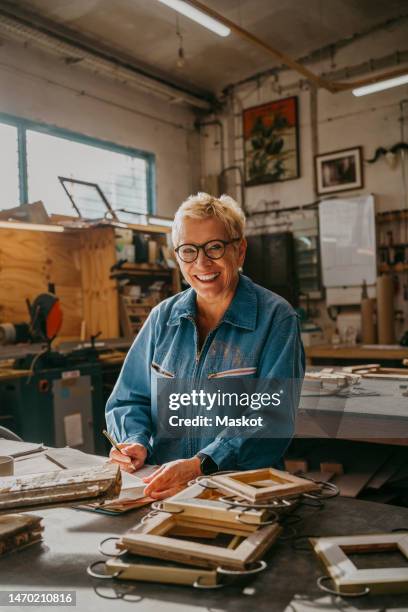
{"type": "Point", "coordinates": [332, 86]}
{"type": "Point", "coordinates": [285, 59]}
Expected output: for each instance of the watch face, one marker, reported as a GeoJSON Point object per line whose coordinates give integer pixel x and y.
{"type": "Point", "coordinates": [204, 466]}
{"type": "Point", "coordinates": [208, 466]}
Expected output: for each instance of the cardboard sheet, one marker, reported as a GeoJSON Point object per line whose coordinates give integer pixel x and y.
{"type": "Point", "coordinates": [18, 449]}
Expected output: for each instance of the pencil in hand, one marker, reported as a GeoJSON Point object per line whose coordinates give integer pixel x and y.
{"type": "Point", "coordinates": [123, 459]}
{"type": "Point", "coordinates": [111, 440]}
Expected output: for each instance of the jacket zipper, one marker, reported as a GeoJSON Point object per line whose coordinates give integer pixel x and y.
{"type": "Point", "coordinates": [201, 352]}
{"type": "Point", "coordinates": [198, 363]}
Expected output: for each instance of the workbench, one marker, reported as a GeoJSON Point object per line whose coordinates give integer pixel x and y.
{"type": "Point", "coordinates": [375, 410]}
{"type": "Point", "coordinates": [71, 539]}
{"type": "Point", "coordinates": [327, 354]}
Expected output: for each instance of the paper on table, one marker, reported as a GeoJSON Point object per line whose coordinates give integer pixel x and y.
{"type": "Point", "coordinates": [73, 429]}
{"type": "Point", "coordinates": [134, 480]}
{"type": "Point", "coordinates": [132, 492]}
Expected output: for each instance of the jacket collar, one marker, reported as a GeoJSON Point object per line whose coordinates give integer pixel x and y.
{"type": "Point", "coordinates": [242, 312]}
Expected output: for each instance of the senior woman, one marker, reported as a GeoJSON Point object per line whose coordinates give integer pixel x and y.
{"type": "Point", "coordinates": [224, 323]}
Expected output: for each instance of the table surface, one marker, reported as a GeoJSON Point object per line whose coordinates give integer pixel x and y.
{"type": "Point", "coordinates": [373, 409]}
{"type": "Point", "coordinates": [71, 539]}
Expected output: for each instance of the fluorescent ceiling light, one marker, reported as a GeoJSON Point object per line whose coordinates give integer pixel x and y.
{"type": "Point", "coordinates": [381, 85]}
{"type": "Point", "coordinates": [203, 19]}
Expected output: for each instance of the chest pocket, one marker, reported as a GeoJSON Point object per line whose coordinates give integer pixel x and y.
{"type": "Point", "coordinates": [236, 372]}
{"type": "Point", "coordinates": [161, 372]}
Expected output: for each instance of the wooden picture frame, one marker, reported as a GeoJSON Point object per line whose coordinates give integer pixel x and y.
{"type": "Point", "coordinates": [339, 171]}
{"type": "Point", "coordinates": [271, 142]}
{"type": "Point", "coordinates": [150, 570]}
{"type": "Point", "coordinates": [154, 538]}
{"type": "Point", "coordinates": [199, 503]}
{"type": "Point", "coordinates": [263, 484]}
{"type": "Point", "coordinates": [347, 578]}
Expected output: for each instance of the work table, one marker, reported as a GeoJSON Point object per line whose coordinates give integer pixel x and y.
{"type": "Point", "coordinates": [373, 410]}
{"type": "Point", "coordinates": [323, 354]}
{"type": "Point", "coordinates": [71, 539]}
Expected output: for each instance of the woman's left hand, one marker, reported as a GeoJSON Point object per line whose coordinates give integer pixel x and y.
{"type": "Point", "coordinates": [171, 477]}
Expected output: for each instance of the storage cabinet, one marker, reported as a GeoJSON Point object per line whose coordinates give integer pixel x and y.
{"type": "Point", "coordinates": [270, 262]}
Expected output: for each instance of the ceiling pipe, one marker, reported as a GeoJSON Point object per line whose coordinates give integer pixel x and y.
{"type": "Point", "coordinates": [219, 124]}
{"type": "Point", "coordinates": [76, 48]}
{"type": "Point", "coordinates": [241, 184]}
{"type": "Point", "coordinates": [356, 70]}
{"type": "Point", "coordinates": [340, 86]}
{"type": "Point", "coordinates": [263, 45]}
{"type": "Point", "coordinates": [332, 86]}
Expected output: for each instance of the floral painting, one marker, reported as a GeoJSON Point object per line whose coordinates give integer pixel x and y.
{"type": "Point", "coordinates": [271, 142]}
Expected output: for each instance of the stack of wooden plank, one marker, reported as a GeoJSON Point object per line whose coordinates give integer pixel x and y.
{"type": "Point", "coordinates": [220, 525]}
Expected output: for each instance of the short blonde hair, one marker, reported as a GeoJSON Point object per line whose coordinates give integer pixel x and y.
{"type": "Point", "coordinates": [202, 206]}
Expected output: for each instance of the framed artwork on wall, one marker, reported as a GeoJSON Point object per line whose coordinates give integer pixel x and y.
{"type": "Point", "coordinates": [271, 142]}
{"type": "Point", "coordinates": [339, 171]}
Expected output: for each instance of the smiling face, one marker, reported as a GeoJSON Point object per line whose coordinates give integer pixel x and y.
{"type": "Point", "coordinates": [214, 280]}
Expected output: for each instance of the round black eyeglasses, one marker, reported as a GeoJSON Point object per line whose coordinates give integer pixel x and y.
{"type": "Point", "coordinates": [213, 249]}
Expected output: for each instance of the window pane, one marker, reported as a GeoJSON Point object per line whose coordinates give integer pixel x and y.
{"type": "Point", "coordinates": [9, 197]}
{"type": "Point", "coordinates": [122, 178]}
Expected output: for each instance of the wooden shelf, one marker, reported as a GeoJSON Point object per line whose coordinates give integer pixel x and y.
{"type": "Point", "coordinates": [391, 216]}
{"type": "Point", "coordinates": [142, 269]}
{"type": "Point", "coordinates": [398, 245]}
{"type": "Point", "coordinates": [398, 267]}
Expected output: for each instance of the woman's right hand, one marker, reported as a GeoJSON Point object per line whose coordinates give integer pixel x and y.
{"type": "Point", "coordinates": [131, 457]}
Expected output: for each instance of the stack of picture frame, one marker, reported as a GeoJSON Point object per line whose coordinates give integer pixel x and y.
{"type": "Point", "coordinates": [218, 529]}
{"type": "Point", "coordinates": [219, 526]}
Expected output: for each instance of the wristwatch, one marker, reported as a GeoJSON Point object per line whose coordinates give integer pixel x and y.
{"type": "Point", "coordinates": [207, 465]}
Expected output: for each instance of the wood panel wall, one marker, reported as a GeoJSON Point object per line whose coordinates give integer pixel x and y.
{"type": "Point", "coordinates": [78, 263]}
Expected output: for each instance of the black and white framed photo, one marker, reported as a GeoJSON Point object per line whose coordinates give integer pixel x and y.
{"type": "Point", "coordinates": [339, 171]}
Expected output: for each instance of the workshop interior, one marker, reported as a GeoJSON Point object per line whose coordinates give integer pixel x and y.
{"type": "Point", "coordinates": [112, 114]}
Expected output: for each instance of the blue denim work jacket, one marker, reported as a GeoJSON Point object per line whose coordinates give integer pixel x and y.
{"type": "Point", "coordinates": [258, 336]}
